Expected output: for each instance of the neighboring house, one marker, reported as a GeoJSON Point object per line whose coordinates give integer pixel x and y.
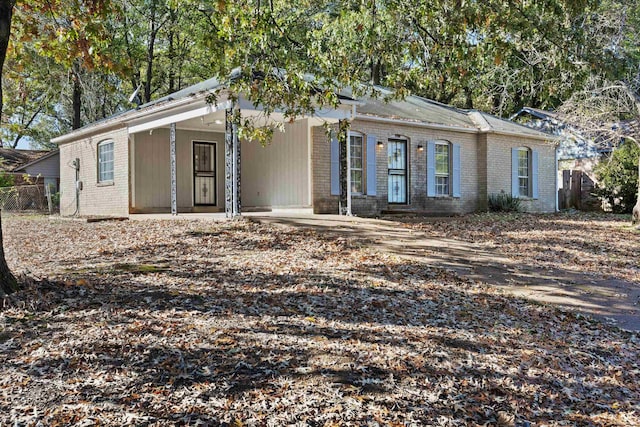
{"type": "Point", "coordinates": [31, 167]}
{"type": "Point", "coordinates": [413, 155]}
{"type": "Point", "coordinates": [577, 158]}
{"type": "Point", "coordinates": [575, 151]}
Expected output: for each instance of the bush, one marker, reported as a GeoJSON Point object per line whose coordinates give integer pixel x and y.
{"type": "Point", "coordinates": [55, 200]}
{"type": "Point", "coordinates": [6, 180]}
{"type": "Point", "coordinates": [503, 202]}
{"type": "Point", "coordinates": [617, 178]}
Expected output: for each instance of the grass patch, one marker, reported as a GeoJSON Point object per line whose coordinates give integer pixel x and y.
{"type": "Point", "coordinates": [140, 268]}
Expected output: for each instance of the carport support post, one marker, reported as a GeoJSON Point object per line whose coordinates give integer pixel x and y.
{"type": "Point", "coordinates": [345, 167]}
{"type": "Point", "coordinates": [174, 181]}
{"type": "Point", "coordinates": [232, 163]}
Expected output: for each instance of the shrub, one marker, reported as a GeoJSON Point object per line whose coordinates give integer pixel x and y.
{"type": "Point", "coordinates": [6, 180]}
{"type": "Point", "coordinates": [503, 202]}
{"type": "Point", "coordinates": [617, 178]}
{"type": "Point", "coordinates": [55, 200]}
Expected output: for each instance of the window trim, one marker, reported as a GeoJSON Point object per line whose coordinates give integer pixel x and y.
{"type": "Point", "coordinates": [362, 167]}
{"type": "Point", "coordinates": [101, 163]}
{"type": "Point", "coordinates": [528, 177]}
{"type": "Point", "coordinates": [449, 174]}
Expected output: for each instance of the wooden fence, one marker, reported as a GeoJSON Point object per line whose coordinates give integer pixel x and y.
{"type": "Point", "coordinates": [577, 192]}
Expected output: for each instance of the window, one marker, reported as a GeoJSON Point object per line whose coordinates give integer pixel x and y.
{"type": "Point", "coordinates": [523, 172]}
{"type": "Point", "coordinates": [357, 186]}
{"type": "Point", "coordinates": [362, 164]}
{"type": "Point", "coordinates": [105, 161]}
{"type": "Point", "coordinates": [442, 169]}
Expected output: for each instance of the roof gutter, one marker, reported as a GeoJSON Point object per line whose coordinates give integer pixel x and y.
{"type": "Point", "coordinates": [542, 137]}
{"type": "Point", "coordinates": [125, 117]}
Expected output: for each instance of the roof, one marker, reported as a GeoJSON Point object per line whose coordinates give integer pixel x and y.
{"type": "Point", "coordinates": [418, 109]}
{"type": "Point", "coordinates": [573, 144]}
{"type": "Point", "coordinates": [412, 109]}
{"type": "Point", "coordinates": [501, 125]}
{"type": "Point", "coordinates": [49, 154]}
{"type": "Point", "coordinates": [11, 159]}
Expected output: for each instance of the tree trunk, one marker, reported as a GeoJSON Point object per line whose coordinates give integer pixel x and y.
{"type": "Point", "coordinates": [150, 53]}
{"type": "Point", "coordinates": [635, 215]}
{"type": "Point", "coordinates": [77, 97]}
{"type": "Point", "coordinates": [8, 283]}
{"type": "Point", "coordinates": [6, 12]}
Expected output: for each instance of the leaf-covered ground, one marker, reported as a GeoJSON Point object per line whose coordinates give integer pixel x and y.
{"type": "Point", "coordinates": [242, 324]}
{"type": "Point", "coordinates": [593, 243]}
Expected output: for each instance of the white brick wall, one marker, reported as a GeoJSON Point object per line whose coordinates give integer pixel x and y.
{"type": "Point", "coordinates": [95, 199]}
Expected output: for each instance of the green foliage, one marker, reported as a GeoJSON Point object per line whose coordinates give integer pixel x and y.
{"type": "Point", "coordinates": [6, 180]}
{"type": "Point", "coordinates": [55, 199]}
{"type": "Point", "coordinates": [294, 57]}
{"type": "Point", "coordinates": [618, 178]}
{"type": "Point", "coordinates": [503, 202]}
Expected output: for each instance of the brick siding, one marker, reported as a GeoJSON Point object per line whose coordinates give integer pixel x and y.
{"type": "Point", "coordinates": [499, 170]}
{"type": "Point", "coordinates": [485, 167]}
{"type": "Point", "coordinates": [95, 199]}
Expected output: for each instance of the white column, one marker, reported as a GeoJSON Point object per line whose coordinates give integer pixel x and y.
{"type": "Point", "coordinates": [174, 181]}
{"type": "Point", "coordinates": [349, 173]}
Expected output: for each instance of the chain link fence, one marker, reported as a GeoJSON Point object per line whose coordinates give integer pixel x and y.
{"type": "Point", "coordinates": [23, 198]}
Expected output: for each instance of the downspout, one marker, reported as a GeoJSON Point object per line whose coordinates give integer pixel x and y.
{"type": "Point", "coordinates": [78, 185]}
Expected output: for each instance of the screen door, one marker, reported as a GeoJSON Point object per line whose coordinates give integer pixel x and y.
{"type": "Point", "coordinates": [397, 164]}
{"type": "Point", "coordinates": [204, 173]}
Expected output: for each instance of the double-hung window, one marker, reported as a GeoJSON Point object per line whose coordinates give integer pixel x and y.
{"type": "Point", "coordinates": [105, 161]}
{"type": "Point", "coordinates": [362, 164]}
{"type": "Point", "coordinates": [443, 169]}
{"type": "Point", "coordinates": [443, 163]}
{"type": "Point", "coordinates": [357, 156]}
{"type": "Point", "coordinates": [523, 172]}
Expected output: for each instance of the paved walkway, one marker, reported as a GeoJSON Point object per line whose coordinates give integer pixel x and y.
{"type": "Point", "coordinates": [609, 300]}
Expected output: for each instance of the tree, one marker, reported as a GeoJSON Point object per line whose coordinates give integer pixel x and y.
{"type": "Point", "coordinates": [617, 178]}
{"type": "Point", "coordinates": [31, 92]}
{"type": "Point", "coordinates": [607, 109]}
{"type": "Point", "coordinates": [608, 113]}
{"type": "Point", "coordinates": [8, 282]}
{"type": "Point", "coordinates": [75, 35]}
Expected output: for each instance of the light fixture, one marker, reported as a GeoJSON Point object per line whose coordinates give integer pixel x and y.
{"type": "Point", "coordinates": [420, 147]}
{"type": "Point", "coordinates": [380, 144]}
{"type": "Point", "coordinates": [216, 122]}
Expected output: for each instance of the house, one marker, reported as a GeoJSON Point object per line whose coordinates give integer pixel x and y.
{"type": "Point", "coordinates": [182, 154]}
{"type": "Point", "coordinates": [41, 167]}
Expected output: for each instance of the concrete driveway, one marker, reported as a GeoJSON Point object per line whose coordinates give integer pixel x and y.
{"type": "Point", "coordinates": [613, 301]}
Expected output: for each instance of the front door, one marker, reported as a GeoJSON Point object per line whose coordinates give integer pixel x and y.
{"type": "Point", "coordinates": [204, 173]}
{"type": "Point", "coordinates": [397, 164]}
